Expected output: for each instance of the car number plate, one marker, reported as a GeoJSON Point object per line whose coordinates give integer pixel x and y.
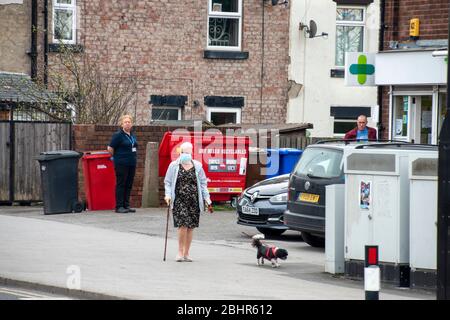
{"type": "Point", "coordinates": [308, 197]}
{"type": "Point", "coordinates": [250, 210]}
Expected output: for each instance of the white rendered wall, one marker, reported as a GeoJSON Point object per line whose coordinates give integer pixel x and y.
{"type": "Point", "coordinates": [313, 59]}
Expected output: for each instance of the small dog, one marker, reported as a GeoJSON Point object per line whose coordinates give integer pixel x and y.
{"type": "Point", "coordinates": [270, 253]}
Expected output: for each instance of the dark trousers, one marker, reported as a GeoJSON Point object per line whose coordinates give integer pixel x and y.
{"type": "Point", "coordinates": [124, 183]}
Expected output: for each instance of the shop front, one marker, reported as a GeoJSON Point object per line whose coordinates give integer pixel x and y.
{"type": "Point", "coordinates": [417, 93]}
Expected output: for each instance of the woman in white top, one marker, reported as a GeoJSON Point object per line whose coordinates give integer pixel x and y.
{"type": "Point", "coordinates": [186, 192]}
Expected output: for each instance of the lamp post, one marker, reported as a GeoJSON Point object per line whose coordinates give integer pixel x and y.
{"type": "Point", "coordinates": [443, 262]}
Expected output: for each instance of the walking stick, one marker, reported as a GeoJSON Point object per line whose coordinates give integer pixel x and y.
{"type": "Point", "coordinates": [167, 230]}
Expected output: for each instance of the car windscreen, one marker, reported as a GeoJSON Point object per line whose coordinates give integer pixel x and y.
{"type": "Point", "coordinates": [320, 163]}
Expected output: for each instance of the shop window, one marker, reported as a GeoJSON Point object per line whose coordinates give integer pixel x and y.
{"type": "Point", "coordinates": [442, 110]}
{"type": "Point", "coordinates": [400, 119]}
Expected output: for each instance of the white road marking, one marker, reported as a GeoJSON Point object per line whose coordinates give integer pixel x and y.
{"type": "Point", "coordinates": [26, 295]}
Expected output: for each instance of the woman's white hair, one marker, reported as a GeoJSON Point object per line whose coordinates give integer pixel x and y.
{"type": "Point", "coordinates": [186, 145]}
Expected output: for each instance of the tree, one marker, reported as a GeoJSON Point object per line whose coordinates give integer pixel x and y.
{"type": "Point", "coordinates": [93, 93]}
{"type": "Point", "coordinates": [79, 89]}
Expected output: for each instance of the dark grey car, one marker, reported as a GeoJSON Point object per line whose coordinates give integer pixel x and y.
{"type": "Point", "coordinates": [263, 204]}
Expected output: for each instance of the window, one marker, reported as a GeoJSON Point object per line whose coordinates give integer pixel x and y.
{"type": "Point", "coordinates": [342, 126]}
{"type": "Point", "coordinates": [220, 116]}
{"type": "Point", "coordinates": [442, 111]}
{"type": "Point", "coordinates": [345, 118]}
{"type": "Point", "coordinates": [320, 163]}
{"type": "Point", "coordinates": [401, 110]}
{"type": "Point", "coordinates": [224, 24]}
{"type": "Point", "coordinates": [64, 21]}
{"type": "Point", "coordinates": [166, 113]}
{"type": "Point", "coordinates": [349, 32]}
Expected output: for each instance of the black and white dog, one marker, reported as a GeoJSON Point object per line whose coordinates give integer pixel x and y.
{"type": "Point", "coordinates": [270, 253]}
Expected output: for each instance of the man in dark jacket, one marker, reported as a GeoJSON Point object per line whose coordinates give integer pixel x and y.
{"type": "Point", "coordinates": [362, 131]}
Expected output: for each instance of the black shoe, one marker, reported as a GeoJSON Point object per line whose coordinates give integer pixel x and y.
{"type": "Point", "coordinates": [122, 210]}
{"type": "Point", "coordinates": [130, 209]}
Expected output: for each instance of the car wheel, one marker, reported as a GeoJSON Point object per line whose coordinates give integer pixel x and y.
{"type": "Point", "coordinates": [233, 202]}
{"type": "Point", "coordinates": [271, 232]}
{"type": "Point", "coordinates": [313, 241]}
{"type": "Point", "coordinates": [77, 206]}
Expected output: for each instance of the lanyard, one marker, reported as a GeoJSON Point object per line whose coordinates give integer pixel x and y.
{"type": "Point", "coordinates": [130, 138]}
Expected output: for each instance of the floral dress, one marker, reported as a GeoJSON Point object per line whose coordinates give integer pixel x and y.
{"type": "Point", "coordinates": [186, 209]}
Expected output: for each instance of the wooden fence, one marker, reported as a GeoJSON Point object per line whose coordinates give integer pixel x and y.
{"type": "Point", "coordinates": [20, 142]}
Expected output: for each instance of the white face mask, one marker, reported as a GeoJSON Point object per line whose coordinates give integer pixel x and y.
{"type": "Point", "coordinates": [185, 158]}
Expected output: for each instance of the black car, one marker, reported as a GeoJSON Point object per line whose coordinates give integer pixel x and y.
{"type": "Point", "coordinates": [320, 165]}
{"type": "Point", "coordinates": [262, 205]}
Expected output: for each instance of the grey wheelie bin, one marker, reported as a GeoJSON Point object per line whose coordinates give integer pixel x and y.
{"type": "Point", "coordinates": [59, 181]}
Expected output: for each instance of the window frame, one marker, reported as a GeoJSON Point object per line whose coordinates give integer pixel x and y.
{"type": "Point", "coordinates": [166, 107]}
{"type": "Point", "coordinates": [64, 6]}
{"type": "Point", "coordinates": [225, 15]}
{"type": "Point", "coordinates": [237, 111]}
{"type": "Point", "coordinates": [395, 136]}
{"type": "Point", "coordinates": [344, 23]}
{"type": "Point", "coordinates": [338, 135]}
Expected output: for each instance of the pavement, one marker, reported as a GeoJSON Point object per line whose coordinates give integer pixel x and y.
{"type": "Point", "coordinates": [105, 255]}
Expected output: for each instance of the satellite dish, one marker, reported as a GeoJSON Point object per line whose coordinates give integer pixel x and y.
{"type": "Point", "coordinates": [312, 29]}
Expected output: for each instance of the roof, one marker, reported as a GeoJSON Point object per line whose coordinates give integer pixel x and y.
{"type": "Point", "coordinates": [18, 87]}
{"type": "Point", "coordinates": [281, 127]}
{"type": "Point", "coordinates": [380, 144]}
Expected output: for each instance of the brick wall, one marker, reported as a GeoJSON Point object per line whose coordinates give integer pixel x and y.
{"type": "Point", "coordinates": [4, 115]}
{"type": "Point", "coordinates": [433, 17]}
{"type": "Point", "coordinates": [161, 43]}
{"type": "Point", "coordinates": [97, 137]}
{"type": "Point", "coordinates": [385, 114]}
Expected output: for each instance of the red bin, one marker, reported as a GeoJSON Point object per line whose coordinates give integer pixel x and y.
{"type": "Point", "coordinates": [99, 180]}
{"type": "Point", "coordinates": [224, 159]}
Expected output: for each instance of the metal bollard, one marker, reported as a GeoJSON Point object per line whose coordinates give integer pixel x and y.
{"type": "Point", "coordinates": [371, 273]}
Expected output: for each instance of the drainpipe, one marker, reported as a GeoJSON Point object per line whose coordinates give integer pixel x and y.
{"type": "Point", "coordinates": [34, 25]}
{"type": "Point", "coordinates": [262, 62]}
{"type": "Point", "coordinates": [46, 42]}
{"type": "Point", "coordinates": [381, 48]}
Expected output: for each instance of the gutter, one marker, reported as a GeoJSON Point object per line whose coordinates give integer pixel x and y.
{"type": "Point", "coordinates": [46, 42]}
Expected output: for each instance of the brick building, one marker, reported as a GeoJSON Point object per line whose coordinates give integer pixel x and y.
{"type": "Point", "coordinates": [217, 60]}
{"type": "Point", "coordinates": [411, 71]}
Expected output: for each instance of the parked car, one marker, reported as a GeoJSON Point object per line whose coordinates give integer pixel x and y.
{"type": "Point", "coordinates": [263, 204]}
{"type": "Point", "coordinates": [319, 166]}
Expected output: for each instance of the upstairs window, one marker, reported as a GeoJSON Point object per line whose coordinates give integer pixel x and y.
{"type": "Point", "coordinates": [350, 23]}
{"type": "Point", "coordinates": [224, 24]}
{"type": "Point", "coordinates": [64, 21]}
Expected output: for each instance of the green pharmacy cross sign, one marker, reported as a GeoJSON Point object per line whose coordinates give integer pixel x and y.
{"type": "Point", "coordinates": [362, 69]}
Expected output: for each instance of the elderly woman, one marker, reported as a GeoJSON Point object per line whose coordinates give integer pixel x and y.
{"type": "Point", "coordinates": [186, 192]}
{"type": "Point", "coordinates": [123, 147]}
